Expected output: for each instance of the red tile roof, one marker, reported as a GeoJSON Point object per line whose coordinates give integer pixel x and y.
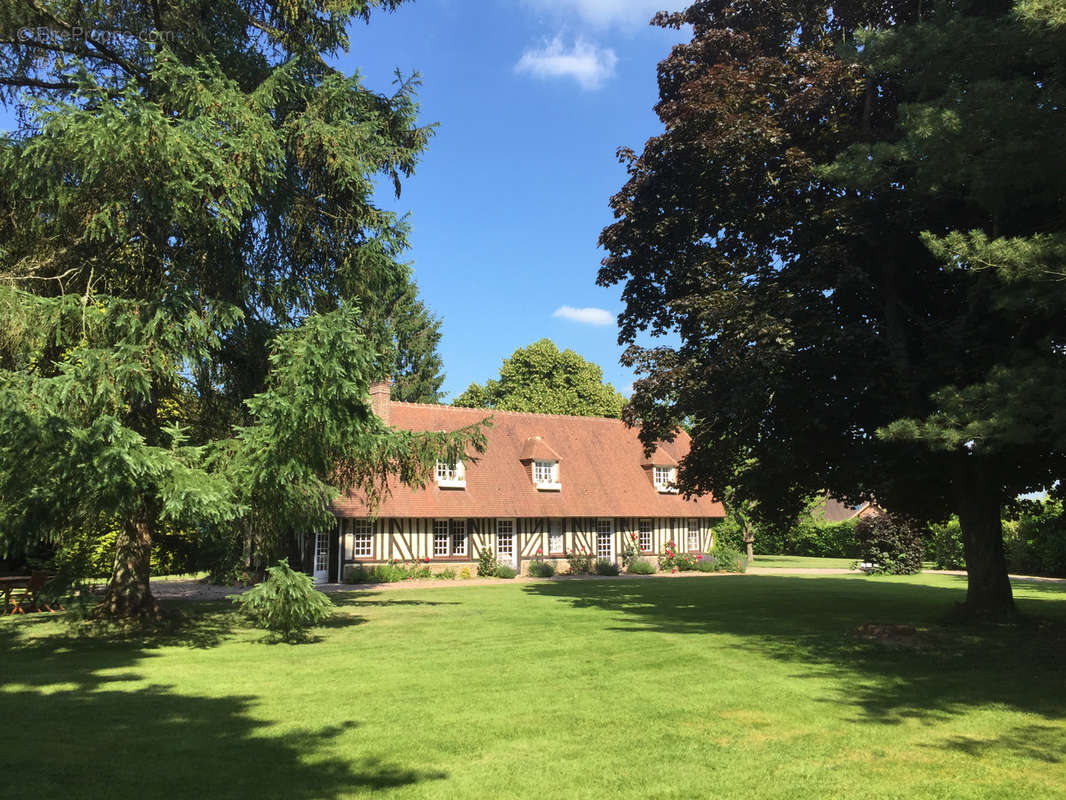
{"type": "Point", "coordinates": [600, 469]}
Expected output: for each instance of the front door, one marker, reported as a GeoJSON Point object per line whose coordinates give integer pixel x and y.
{"type": "Point", "coordinates": [320, 570]}
{"type": "Point", "coordinates": [505, 549]}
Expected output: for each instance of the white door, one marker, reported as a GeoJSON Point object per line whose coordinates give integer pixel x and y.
{"type": "Point", "coordinates": [505, 542]}
{"type": "Point", "coordinates": [605, 539]}
{"type": "Point", "coordinates": [321, 570]}
{"type": "Point", "coordinates": [556, 543]}
{"type": "Point", "coordinates": [505, 549]}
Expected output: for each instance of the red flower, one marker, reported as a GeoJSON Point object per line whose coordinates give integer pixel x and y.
{"type": "Point", "coordinates": [540, 550]}
{"type": "Point", "coordinates": [426, 560]}
{"type": "Point", "coordinates": [700, 558]}
{"type": "Point", "coordinates": [674, 569]}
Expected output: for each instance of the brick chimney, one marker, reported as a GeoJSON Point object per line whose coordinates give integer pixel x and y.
{"type": "Point", "coordinates": [380, 392]}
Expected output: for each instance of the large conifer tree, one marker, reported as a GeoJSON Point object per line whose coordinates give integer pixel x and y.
{"type": "Point", "coordinates": [187, 235]}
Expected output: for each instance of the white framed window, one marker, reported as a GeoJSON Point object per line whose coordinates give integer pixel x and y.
{"type": "Point", "coordinates": [604, 539]}
{"type": "Point", "coordinates": [362, 538]}
{"type": "Point", "coordinates": [458, 531]}
{"type": "Point", "coordinates": [546, 475]}
{"type": "Point", "coordinates": [451, 475]}
{"type": "Point", "coordinates": [693, 541]}
{"type": "Point", "coordinates": [505, 540]}
{"type": "Point", "coordinates": [449, 538]}
{"type": "Point", "coordinates": [645, 538]}
{"type": "Point", "coordinates": [665, 479]}
{"type": "Point", "coordinates": [556, 545]}
{"type": "Point", "coordinates": [442, 539]}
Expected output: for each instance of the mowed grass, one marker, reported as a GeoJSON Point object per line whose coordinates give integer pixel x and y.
{"type": "Point", "coordinates": [804, 562]}
{"type": "Point", "coordinates": [740, 686]}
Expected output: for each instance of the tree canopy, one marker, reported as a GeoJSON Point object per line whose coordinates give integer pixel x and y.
{"type": "Point", "coordinates": [187, 236]}
{"type": "Point", "coordinates": [854, 222]}
{"type": "Point", "coordinates": [543, 379]}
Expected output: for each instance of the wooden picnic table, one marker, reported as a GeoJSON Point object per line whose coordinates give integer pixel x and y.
{"type": "Point", "coordinates": [8, 585]}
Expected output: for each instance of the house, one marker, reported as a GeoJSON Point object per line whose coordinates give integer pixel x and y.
{"type": "Point", "coordinates": [835, 511]}
{"type": "Point", "coordinates": [545, 486]}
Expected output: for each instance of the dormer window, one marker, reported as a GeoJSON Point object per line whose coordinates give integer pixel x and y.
{"type": "Point", "coordinates": [665, 479]}
{"type": "Point", "coordinates": [546, 475]}
{"type": "Point", "coordinates": [451, 475]}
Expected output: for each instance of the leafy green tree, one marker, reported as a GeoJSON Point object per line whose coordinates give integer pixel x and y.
{"type": "Point", "coordinates": [414, 336]}
{"type": "Point", "coordinates": [188, 233]}
{"type": "Point", "coordinates": [541, 378]}
{"type": "Point", "coordinates": [853, 222]}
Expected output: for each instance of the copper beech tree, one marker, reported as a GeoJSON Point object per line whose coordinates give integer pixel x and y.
{"type": "Point", "coordinates": [853, 221]}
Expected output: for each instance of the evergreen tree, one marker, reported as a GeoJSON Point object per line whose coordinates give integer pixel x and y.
{"type": "Point", "coordinates": [542, 379]}
{"type": "Point", "coordinates": [413, 337]}
{"type": "Point", "coordinates": [188, 233]}
{"type": "Point", "coordinates": [854, 222]}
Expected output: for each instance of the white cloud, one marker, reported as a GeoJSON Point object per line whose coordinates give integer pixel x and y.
{"type": "Point", "coordinates": [610, 12]}
{"type": "Point", "coordinates": [589, 316]}
{"type": "Point", "coordinates": [586, 63]}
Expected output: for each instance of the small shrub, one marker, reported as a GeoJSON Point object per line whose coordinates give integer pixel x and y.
{"type": "Point", "coordinates": [604, 566]}
{"type": "Point", "coordinates": [505, 571]}
{"type": "Point", "coordinates": [892, 543]}
{"type": "Point", "coordinates": [486, 563]}
{"type": "Point", "coordinates": [1035, 543]}
{"type": "Point", "coordinates": [674, 561]}
{"type": "Point", "coordinates": [354, 574]}
{"type": "Point", "coordinates": [417, 569]}
{"type": "Point", "coordinates": [286, 603]}
{"type": "Point", "coordinates": [641, 567]}
{"type": "Point", "coordinates": [580, 563]}
{"type": "Point", "coordinates": [724, 558]}
{"type": "Point", "coordinates": [947, 545]}
{"type": "Point", "coordinates": [541, 569]}
{"type": "Point", "coordinates": [464, 574]}
{"type": "Point", "coordinates": [447, 574]}
{"type": "Point", "coordinates": [630, 549]}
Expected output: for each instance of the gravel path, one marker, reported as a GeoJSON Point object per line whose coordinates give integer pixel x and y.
{"type": "Point", "coordinates": [197, 590]}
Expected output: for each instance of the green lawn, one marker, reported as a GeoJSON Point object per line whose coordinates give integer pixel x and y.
{"type": "Point", "coordinates": [805, 562]}
{"type": "Point", "coordinates": [741, 686]}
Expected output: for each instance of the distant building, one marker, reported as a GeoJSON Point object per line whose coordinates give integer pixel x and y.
{"type": "Point", "coordinates": [836, 511]}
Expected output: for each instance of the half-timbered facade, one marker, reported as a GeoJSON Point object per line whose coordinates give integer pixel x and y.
{"type": "Point", "coordinates": [546, 485]}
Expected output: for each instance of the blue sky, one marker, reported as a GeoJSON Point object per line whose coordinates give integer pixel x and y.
{"type": "Point", "coordinates": [532, 98]}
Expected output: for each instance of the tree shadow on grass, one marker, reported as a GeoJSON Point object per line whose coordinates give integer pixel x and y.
{"type": "Point", "coordinates": [941, 671]}
{"type": "Point", "coordinates": [72, 727]}
{"type": "Point", "coordinates": [1036, 742]}
{"type": "Point", "coordinates": [374, 599]}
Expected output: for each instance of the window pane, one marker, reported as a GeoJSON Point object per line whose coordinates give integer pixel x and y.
{"type": "Point", "coordinates": [604, 536]}
{"type": "Point", "coordinates": [458, 537]}
{"type": "Point", "coordinates": [362, 538]}
{"type": "Point", "coordinates": [645, 535]}
{"type": "Point", "coordinates": [544, 472]}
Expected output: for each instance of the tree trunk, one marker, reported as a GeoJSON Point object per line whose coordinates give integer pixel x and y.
{"type": "Point", "coordinates": [988, 592]}
{"type": "Point", "coordinates": [129, 594]}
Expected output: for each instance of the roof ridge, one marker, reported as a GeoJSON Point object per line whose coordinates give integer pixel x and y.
{"type": "Point", "coordinates": [502, 411]}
